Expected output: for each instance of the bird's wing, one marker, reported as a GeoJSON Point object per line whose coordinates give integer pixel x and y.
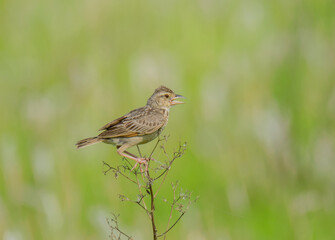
{"type": "Point", "coordinates": [120, 119]}
{"type": "Point", "coordinates": [137, 123]}
{"type": "Point", "coordinates": [112, 123]}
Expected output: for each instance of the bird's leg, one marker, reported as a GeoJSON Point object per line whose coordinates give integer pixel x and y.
{"type": "Point", "coordinates": [122, 152]}
{"type": "Point", "coordinates": [146, 162]}
{"type": "Point", "coordinates": [130, 154]}
{"type": "Point", "coordinates": [138, 160]}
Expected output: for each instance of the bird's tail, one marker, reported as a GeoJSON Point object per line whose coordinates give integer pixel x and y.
{"type": "Point", "coordinates": [87, 142]}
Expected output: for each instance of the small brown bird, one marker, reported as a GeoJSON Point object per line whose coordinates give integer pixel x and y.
{"type": "Point", "coordinates": [139, 126]}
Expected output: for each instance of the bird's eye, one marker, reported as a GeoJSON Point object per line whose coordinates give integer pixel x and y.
{"type": "Point", "coordinates": [166, 95]}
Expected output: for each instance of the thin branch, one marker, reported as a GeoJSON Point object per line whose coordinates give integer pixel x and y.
{"type": "Point", "coordinates": [145, 183]}
{"type": "Point", "coordinates": [153, 150]}
{"type": "Point", "coordinates": [161, 184]}
{"type": "Point", "coordinates": [160, 235]}
{"type": "Point", "coordinates": [116, 171]}
{"type": "Point", "coordinates": [140, 190]}
{"type": "Point", "coordinates": [139, 203]}
{"type": "Point", "coordinates": [128, 165]}
{"type": "Point", "coordinates": [139, 152]}
{"type": "Point", "coordinates": [170, 217]}
{"type": "Point", "coordinates": [175, 201]}
{"type": "Point", "coordinates": [160, 175]}
{"type": "Point", "coordinates": [166, 171]}
{"type": "Point", "coordinates": [154, 229]}
{"type": "Point", "coordinates": [115, 226]}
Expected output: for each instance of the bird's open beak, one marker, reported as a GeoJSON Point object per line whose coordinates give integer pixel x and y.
{"type": "Point", "coordinates": [173, 100]}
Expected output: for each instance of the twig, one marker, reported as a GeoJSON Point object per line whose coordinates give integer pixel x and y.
{"type": "Point", "coordinates": [115, 226]}
{"type": "Point", "coordinates": [138, 149]}
{"type": "Point", "coordinates": [175, 200]}
{"type": "Point", "coordinates": [154, 229]}
{"type": "Point", "coordinates": [161, 184]}
{"type": "Point", "coordinates": [145, 183]}
{"type": "Point", "coordinates": [166, 169]}
{"type": "Point", "coordinates": [116, 171]}
{"type": "Point", "coordinates": [164, 233]}
{"type": "Point", "coordinates": [140, 191]}
{"type": "Point", "coordinates": [153, 150]}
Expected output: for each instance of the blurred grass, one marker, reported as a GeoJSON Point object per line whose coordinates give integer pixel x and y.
{"type": "Point", "coordinates": [259, 120]}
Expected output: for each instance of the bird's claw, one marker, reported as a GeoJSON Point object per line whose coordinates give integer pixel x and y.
{"type": "Point", "coordinates": [141, 161]}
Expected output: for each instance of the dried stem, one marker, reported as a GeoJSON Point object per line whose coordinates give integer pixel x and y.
{"type": "Point", "coordinates": [114, 226]}
{"type": "Point", "coordinates": [164, 233]}
{"type": "Point", "coordinates": [116, 172]}
{"type": "Point", "coordinates": [154, 229]}
{"type": "Point", "coordinates": [145, 177]}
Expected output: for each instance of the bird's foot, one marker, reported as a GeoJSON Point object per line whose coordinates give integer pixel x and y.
{"type": "Point", "coordinates": [141, 161]}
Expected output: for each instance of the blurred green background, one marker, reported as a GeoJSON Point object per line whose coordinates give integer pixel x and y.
{"type": "Point", "coordinates": [259, 77]}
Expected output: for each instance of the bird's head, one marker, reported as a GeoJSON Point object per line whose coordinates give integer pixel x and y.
{"type": "Point", "coordinates": [164, 97]}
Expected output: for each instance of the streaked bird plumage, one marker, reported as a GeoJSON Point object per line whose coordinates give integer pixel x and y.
{"type": "Point", "coordinates": [139, 126]}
